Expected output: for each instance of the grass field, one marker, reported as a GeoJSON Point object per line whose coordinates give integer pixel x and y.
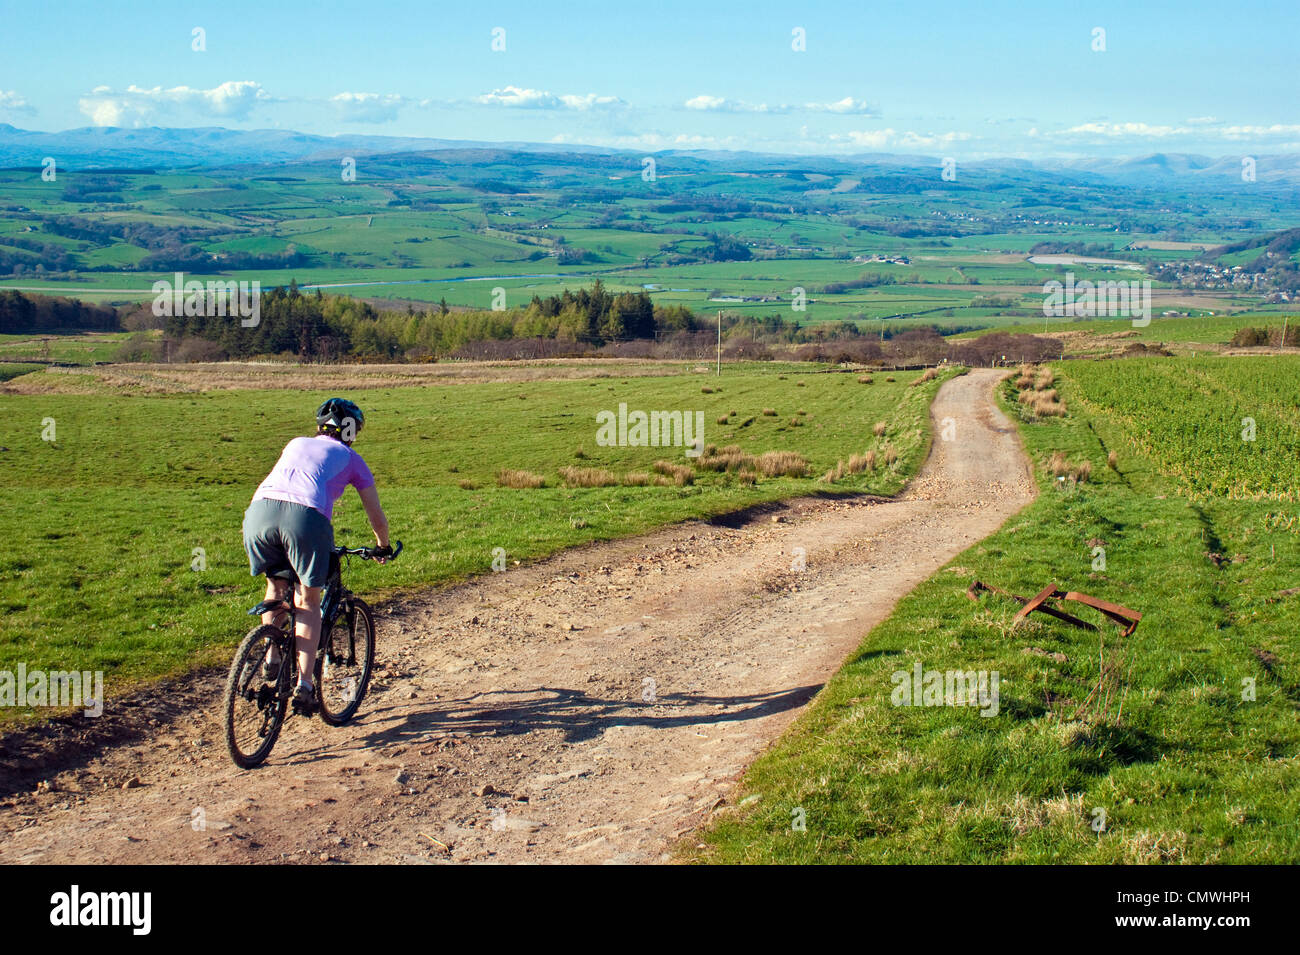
{"type": "Point", "coordinates": [1182, 330]}
{"type": "Point", "coordinates": [74, 349]}
{"type": "Point", "coordinates": [459, 226]}
{"type": "Point", "coordinates": [127, 552]}
{"type": "Point", "coordinates": [1192, 756]}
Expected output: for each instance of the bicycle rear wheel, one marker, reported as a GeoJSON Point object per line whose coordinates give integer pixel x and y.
{"type": "Point", "coordinates": [254, 709]}
{"type": "Point", "coordinates": [344, 664]}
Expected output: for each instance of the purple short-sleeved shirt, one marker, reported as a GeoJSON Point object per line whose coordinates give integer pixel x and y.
{"type": "Point", "coordinates": [315, 471]}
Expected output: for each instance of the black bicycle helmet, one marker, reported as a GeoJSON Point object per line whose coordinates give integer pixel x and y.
{"type": "Point", "coordinates": [339, 418]}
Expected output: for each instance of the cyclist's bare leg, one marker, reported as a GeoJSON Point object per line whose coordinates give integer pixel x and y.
{"type": "Point", "coordinates": [307, 629]}
{"type": "Point", "coordinates": [277, 588]}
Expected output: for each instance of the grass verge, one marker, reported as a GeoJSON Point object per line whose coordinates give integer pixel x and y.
{"type": "Point", "coordinates": [1189, 753]}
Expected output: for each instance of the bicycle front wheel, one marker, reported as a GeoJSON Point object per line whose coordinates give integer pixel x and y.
{"type": "Point", "coordinates": [254, 709]}
{"type": "Point", "coordinates": [345, 661]}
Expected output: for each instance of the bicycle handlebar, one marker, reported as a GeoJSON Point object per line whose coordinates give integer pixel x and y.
{"type": "Point", "coordinates": [368, 553]}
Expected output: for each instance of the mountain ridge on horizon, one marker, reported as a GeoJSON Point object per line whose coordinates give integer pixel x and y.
{"type": "Point", "coordinates": [91, 147]}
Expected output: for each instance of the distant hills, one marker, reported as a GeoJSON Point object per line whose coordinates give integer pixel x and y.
{"type": "Point", "coordinates": [165, 148]}
{"type": "Point", "coordinates": [158, 147]}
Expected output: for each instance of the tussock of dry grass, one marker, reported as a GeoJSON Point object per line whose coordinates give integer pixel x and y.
{"type": "Point", "coordinates": [679, 474]}
{"type": "Point", "coordinates": [1112, 461]}
{"type": "Point", "coordinates": [930, 374]}
{"type": "Point", "coordinates": [891, 456]}
{"type": "Point", "coordinates": [1046, 408]}
{"type": "Point", "coordinates": [1059, 466]}
{"type": "Point", "coordinates": [1044, 404]}
{"type": "Point", "coordinates": [856, 464]}
{"type": "Point", "coordinates": [508, 477]}
{"type": "Point", "coordinates": [730, 458]}
{"type": "Point", "coordinates": [866, 380]}
{"type": "Point", "coordinates": [862, 462]}
{"type": "Point", "coordinates": [1045, 379]}
{"type": "Point", "coordinates": [636, 479]}
{"type": "Point", "coordinates": [782, 464]}
{"type": "Point", "coordinates": [879, 429]}
{"type": "Point", "coordinates": [722, 419]}
{"type": "Point", "coordinates": [467, 485]}
{"type": "Point", "coordinates": [834, 474]}
{"type": "Point", "coordinates": [769, 412]}
{"type": "Point", "coordinates": [588, 477]}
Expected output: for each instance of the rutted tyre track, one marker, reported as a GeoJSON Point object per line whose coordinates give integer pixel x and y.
{"type": "Point", "coordinates": [589, 708]}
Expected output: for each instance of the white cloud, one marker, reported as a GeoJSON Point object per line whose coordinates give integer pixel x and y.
{"type": "Point", "coordinates": [135, 106]}
{"type": "Point", "coordinates": [882, 138]}
{"type": "Point", "coordinates": [11, 102]}
{"type": "Point", "coordinates": [520, 98]}
{"type": "Point", "coordinates": [367, 107]}
{"type": "Point", "coordinates": [1263, 132]}
{"type": "Point", "coordinates": [1204, 127]}
{"type": "Point", "coordinates": [918, 140]}
{"type": "Point", "coordinates": [720, 104]}
{"type": "Point", "coordinates": [1116, 130]}
{"type": "Point", "coordinates": [590, 101]}
{"type": "Point", "coordinates": [654, 141]}
{"type": "Point", "coordinates": [867, 138]}
{"type": "Point", "coordinates": [846, 105]}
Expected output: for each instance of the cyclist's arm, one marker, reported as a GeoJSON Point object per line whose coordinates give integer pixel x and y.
{"type": "Point", "coordinates": [375, 513]}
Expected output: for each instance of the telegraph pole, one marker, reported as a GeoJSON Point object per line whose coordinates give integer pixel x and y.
{"type": "Point", "coordinates": [719, 343]}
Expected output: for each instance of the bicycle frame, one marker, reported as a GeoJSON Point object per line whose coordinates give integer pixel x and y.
{"type": "Point", "coordinates": [334, 603]}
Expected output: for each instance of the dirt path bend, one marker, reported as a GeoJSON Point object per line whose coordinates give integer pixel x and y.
{"type": "Point", "coordinates": [589, 708]}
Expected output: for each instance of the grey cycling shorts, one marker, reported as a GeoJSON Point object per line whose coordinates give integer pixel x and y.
{"type": "Point", "coordinates": [290, 540]}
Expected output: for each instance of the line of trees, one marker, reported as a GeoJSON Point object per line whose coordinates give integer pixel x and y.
{"type": "Point", "coordinates": [586, 321]}
{"type": "Point", "coordinates": [22, 313]}
{"type": "Point", "coordinates": [317, 327]}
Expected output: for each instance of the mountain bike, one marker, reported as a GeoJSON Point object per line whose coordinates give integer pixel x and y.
{"type": "Point", "coordinates": [255, 707]}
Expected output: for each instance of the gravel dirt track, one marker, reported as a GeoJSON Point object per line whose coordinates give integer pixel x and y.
{"type": "Point", "coordinates": [593, 707]}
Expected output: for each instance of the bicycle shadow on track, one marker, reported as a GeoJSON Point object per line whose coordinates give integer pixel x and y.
{"type": "Point", "coordinates": [580, 716]}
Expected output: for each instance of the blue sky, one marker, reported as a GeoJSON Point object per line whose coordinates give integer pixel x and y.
{"type": "Point", "coordinates": [937, 78]}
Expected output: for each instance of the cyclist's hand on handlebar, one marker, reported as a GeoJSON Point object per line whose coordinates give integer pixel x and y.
{"type": "Point", "coordinates": [381, 555]}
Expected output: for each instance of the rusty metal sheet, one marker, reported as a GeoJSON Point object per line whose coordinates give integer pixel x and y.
{"type": "Point", "coordinates": [1037, 601]}
{"type": "Point", "coordinates": [1120, 615]}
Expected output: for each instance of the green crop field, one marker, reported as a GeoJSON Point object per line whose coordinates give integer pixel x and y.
{"type": "Point", "coordinates": [128, 556]}
{"type": "Point", "coordinates": [1192, 755]}
{"type": "Point", "coordinates": [417, 230]}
